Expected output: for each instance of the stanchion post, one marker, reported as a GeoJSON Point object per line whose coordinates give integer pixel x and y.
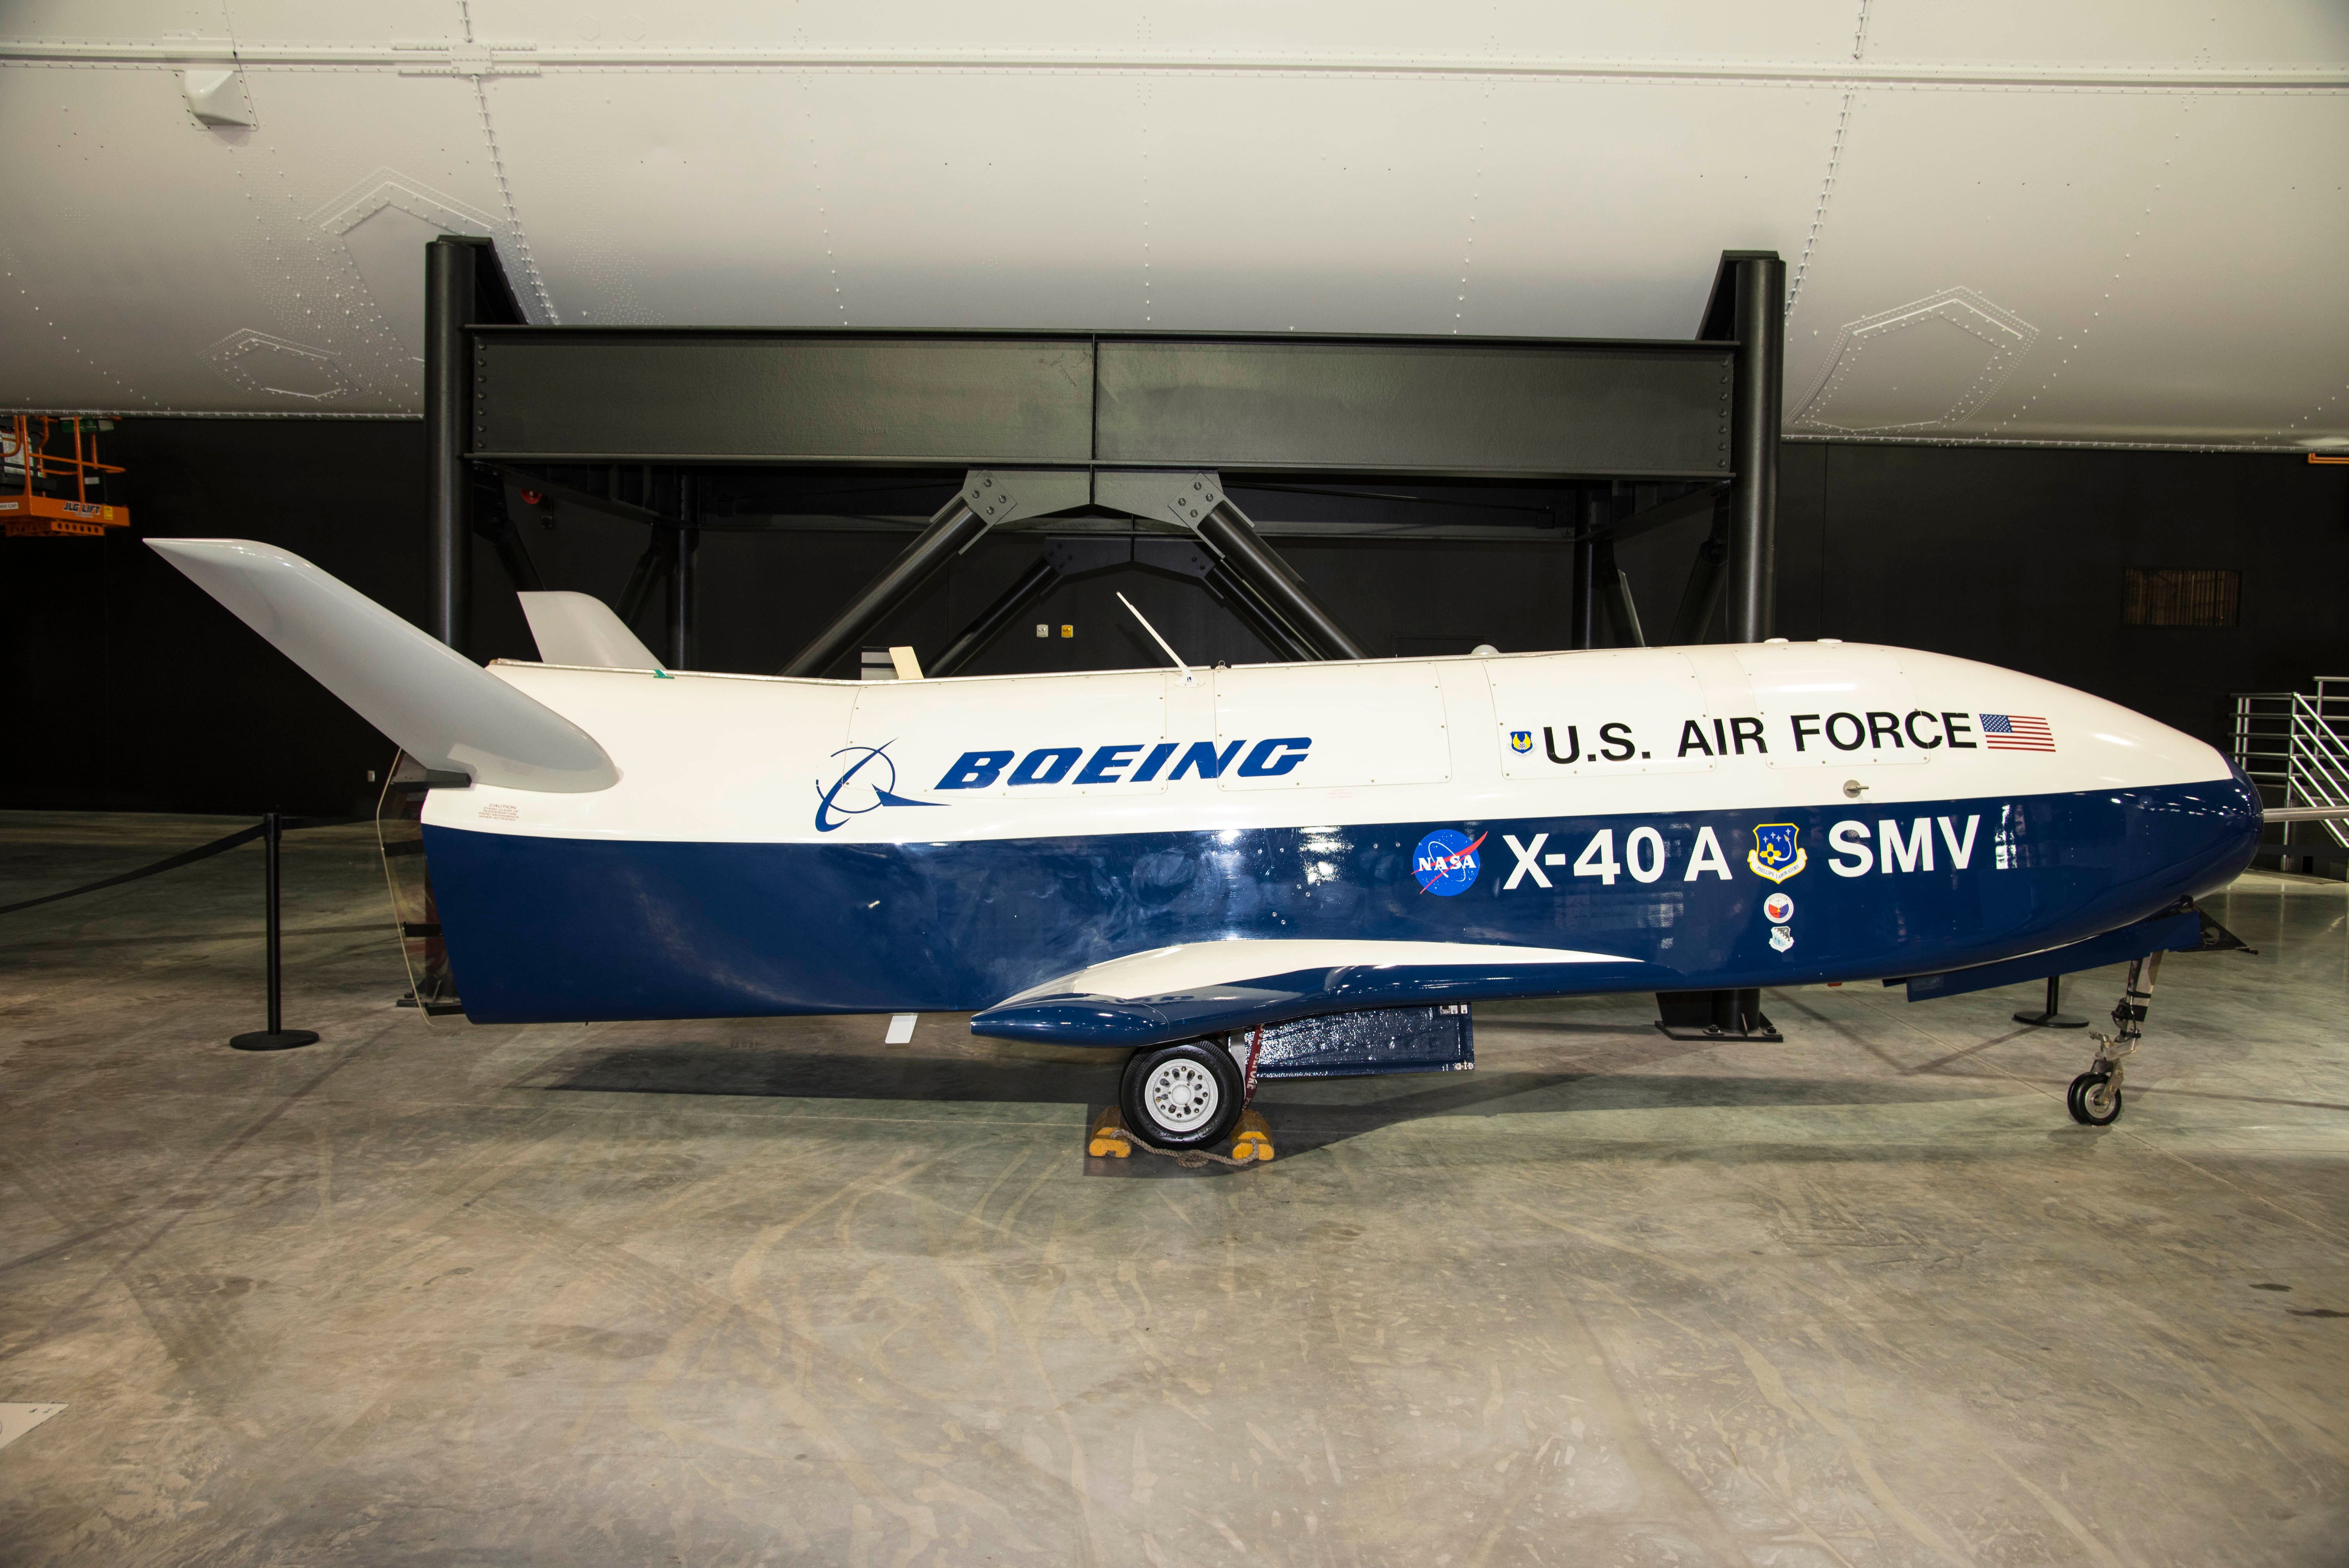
{"type": "Point", "coordinates": [277, 1037]}
{"type": "Point", "coordinates": [2054, 1017]}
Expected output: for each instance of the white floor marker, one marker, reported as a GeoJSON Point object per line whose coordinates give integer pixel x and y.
{"type": "Point", "coordinates": [16, 1420]}
{"type": "Point", "coordinates": [901, 1029]}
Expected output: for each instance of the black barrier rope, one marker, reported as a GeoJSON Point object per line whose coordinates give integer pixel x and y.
{"type": "Point", "coordinates": [186, 858]}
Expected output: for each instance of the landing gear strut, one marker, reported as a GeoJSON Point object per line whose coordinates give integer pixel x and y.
{"type": "Point", "coordinates": [2094, 1097]}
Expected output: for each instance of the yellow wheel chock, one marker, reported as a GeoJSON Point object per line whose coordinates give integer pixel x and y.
{"type": "Point", "coordinates": [1252, 1144]}
{"type": "Point", "coordinates": [1109, 1136]}
{"type": "Point", "coordinates": [1254, 1140]}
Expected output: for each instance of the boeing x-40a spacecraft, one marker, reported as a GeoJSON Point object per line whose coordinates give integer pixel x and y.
{"type": "Point", "coordinates": [1314, 867]}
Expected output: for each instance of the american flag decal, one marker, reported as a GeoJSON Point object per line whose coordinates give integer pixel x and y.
{"type": "Point", "coordinates": [2016, 732]}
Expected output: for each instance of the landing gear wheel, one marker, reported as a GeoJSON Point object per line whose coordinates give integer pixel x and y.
{"type": "Point", "coordinates": [2093, 1102]}
{"type": "Point", "coordinates": [1181, 1097]}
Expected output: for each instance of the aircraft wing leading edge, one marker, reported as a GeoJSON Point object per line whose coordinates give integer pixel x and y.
{"type": "Point", "coordinates": [1199, 988]}
{"type": "Point", "coordinates": [438, 706]}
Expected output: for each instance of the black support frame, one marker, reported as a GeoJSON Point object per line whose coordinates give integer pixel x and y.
{"type": "Point", "coordinates": [464, 289]}
{"type": "Point", "coordinates": [1605, 422]}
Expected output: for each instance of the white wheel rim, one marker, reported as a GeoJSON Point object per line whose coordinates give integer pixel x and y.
{"type": "Point", "coordinates": [1181, 1095]}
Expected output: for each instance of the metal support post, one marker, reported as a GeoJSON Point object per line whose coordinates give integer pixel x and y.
{"type": "Point", "coordinates": [1724, 1014]}
{"type": "Point", "coordinates": [685, 540]}
{"type": "Point", "coordinates": [1229, 535]}
{"type": "Point", "coordinates": [2052, 1016]}
{"type": "Point", "coordinates": [1757, 394]}
{"type": "Point", "coordinates": [973, 639]}
{"type": "Point", "coordinates": [1708, 576]}
{"type": "Point", "coordinates": [494, 519]}
{"type": "Point", "coordinates": [277, 1037]}
{"type": "Point", "coordinates": [1615, 593]}
{"type": "Point", "coordinates": [1582, 597]}
{"type": "Point", "coordinates": [954, 529]}
{"type": "Point", "coordinates": [1232, 592]}
{"type": "Point", "coordinates": [449, 301]}
{"type": "Point", "coordinates": [650, 569]}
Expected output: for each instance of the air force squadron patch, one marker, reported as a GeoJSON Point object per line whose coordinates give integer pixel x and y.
{"type": "Point", "coordinates": [1521, 740]}
{"type": "Point", "coordinates": [1776, 855]}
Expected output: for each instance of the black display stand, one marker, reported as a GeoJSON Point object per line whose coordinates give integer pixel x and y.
{"type": "Point", "coordinates": [277, 1037]}
{"type": "Point", "coordinates": [2054, 1017]}
{"type": "Point", "coordinates": [1728, 1015]}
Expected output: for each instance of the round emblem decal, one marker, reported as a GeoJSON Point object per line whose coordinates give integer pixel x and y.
{"type": "Point", "coordinates": [1777, 909]}
{"type": "Point", "coordinates": [1445, 862]}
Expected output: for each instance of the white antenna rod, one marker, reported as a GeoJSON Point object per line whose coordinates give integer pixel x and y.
{"type": "Point", "coordinates": [1157, 639]}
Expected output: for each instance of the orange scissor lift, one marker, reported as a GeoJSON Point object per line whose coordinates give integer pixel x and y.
{"type": "Point", "coordinates": [28, 512]}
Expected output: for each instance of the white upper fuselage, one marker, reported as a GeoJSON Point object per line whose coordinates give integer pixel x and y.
{"type": "Point", "coordinates": [733, 759]}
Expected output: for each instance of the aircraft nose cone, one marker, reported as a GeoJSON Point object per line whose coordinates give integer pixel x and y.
{"type": "Point", "coordinates": [2232, 823]}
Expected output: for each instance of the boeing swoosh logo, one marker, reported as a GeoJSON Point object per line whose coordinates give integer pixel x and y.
{"type": "Point", "coordinates": [830, 814]}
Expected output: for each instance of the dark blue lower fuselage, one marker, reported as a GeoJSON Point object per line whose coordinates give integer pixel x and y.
{"type": "Point", "coordinates": [563, 929]}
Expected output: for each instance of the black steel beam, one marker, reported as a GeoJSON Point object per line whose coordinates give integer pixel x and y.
{"type": "Point", "coordinates": [1308, 529]}
{"type": "Point", "coordinates": [952, 531]}
{"type": "Point", "coordinates": [1700, 502]}
{"type": "Point", "coordinates": [1475, 408]}
{"type": "Point", "coordinates": [492, 519]}
{"type": "Point", "coordinates": [1227, 531]}
{"type": "Point", "coordinates": [685, 544]}
{"type": "Point", "coordinates": [1580, 625]}
{"type": "Point", "coordinates": [449, 292]}
{"type": "Point", "coordinates": [1414, 407]}
{"type": "Point", "coordinates": [1596, 520]}
{"type": "Point", "coordinates": [1749, 304]}
{"type": "Point", "coordinates": [991, 623]}
{"type": "Point", "coordinates": [1708, 576]}
{"type": "Point", "coordinates": [572, 495]}
{"type": "Point", "coordinates": [1615, 593]}
{"type": "Point", "coordinates": [650, 568]}
{"type": "Point", "coordinates": [1232, 592]}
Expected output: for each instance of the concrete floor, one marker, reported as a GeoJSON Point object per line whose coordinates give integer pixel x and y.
{"type": "Point", "coordinates": [772, 1292]}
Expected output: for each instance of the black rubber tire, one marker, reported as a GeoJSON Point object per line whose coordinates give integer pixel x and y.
{"type": "Point", "coordinates": [1133, 1094]}
{"type": "Point", "coordinates": [2076, 1100]}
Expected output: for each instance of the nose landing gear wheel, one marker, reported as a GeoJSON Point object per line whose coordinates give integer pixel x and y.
{"type": "Point", "coordinates": [1181, 1097]}
{"type": "Point", "coordinates": [2093, 1101]}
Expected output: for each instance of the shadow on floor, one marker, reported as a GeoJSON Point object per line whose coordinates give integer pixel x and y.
{"type": "Point", "coordinates": [783, 1073]}
{"type": "Point", "coordinates": [1304, 1114]}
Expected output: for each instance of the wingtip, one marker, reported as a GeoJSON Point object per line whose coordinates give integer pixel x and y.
{"type": "Point", "coordinates": [215, 549]}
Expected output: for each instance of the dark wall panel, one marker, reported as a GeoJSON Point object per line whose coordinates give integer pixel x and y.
{"type": "Point", "coordinates": [129, 689]}
{"type": "Point", "coordinates": [2015, 556]}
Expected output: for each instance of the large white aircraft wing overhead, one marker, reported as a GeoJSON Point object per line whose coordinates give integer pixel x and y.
{"type": "Point", "coordinates": [581, 629]}
{"type": "Point", "coordinates": [1207, 987]}
{"type": "Point", "coordinates": [440, 708]}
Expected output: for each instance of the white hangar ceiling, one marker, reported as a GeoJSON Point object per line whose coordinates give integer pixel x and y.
{"type": "Point", "coordinates": [2105, 222]}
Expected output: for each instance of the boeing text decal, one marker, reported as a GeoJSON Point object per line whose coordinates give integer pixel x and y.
{"type": "Point", "coordinates": [869, 779]}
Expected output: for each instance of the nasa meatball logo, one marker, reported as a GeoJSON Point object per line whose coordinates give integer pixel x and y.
{"type": "Point", "coordinates": [1445, 862]}
{"type": "Point", "coordinates": [1777, 909]}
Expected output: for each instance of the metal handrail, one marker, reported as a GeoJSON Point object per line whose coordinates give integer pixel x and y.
{"type": "Point", "coordinates": [2298, 745]}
